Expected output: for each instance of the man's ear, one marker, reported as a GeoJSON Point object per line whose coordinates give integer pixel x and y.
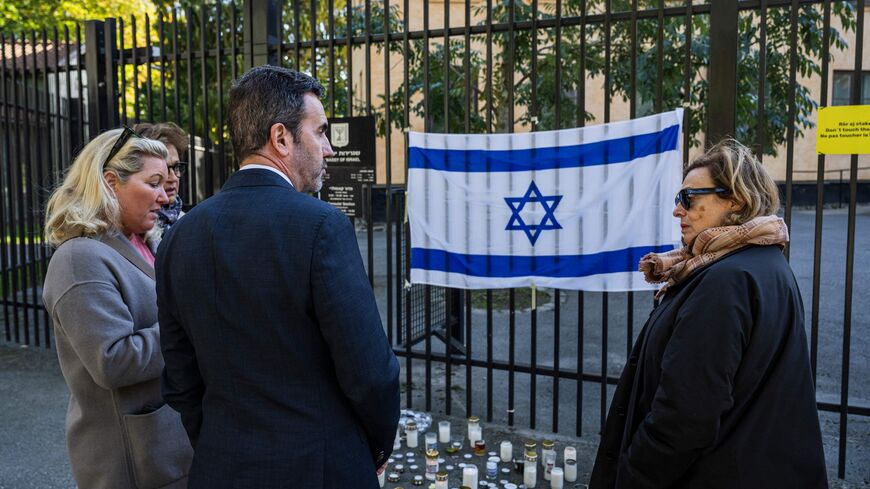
{"type": "Point", "coordinates": [281, 139]}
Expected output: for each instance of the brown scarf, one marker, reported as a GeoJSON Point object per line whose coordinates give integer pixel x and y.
{"type": "Point", "coordinates": [709, 246]}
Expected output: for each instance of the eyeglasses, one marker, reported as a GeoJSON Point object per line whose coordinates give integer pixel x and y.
{"type": "Point", "coordinates": [126, 134]}
{"type": "Point", "coordinates": [683, 197]}
{"type": "Point", "coordinates": [178, 168]}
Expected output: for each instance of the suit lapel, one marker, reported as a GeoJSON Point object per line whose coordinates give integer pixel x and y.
{"type": "Point", "coordinates": [125, 248]}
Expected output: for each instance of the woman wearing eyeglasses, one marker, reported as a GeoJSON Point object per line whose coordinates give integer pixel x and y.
{"type": "Point", "coordinates": [718, 391]}
{"type": "Point", "coordinates": [100, 293]}
{"type": "Point", "coordinates": [175, 140]}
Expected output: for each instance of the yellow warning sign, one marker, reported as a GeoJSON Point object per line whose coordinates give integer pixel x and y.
{"type": "Point", "coordinates": [844, 130]}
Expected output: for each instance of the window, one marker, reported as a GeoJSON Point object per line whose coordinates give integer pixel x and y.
{"type": "Point", "coordinates": [842, 92]}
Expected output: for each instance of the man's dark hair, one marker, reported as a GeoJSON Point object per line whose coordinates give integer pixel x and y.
{"type": "Point", "coordinates": [165, 132]}
{"type": "Point", "coordinates": [263, 97]}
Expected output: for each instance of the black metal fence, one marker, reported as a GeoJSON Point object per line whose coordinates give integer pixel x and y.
{"type": "Point", "coordinates": [738, 68]}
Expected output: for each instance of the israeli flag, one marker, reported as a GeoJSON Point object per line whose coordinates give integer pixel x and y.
{"type": "Point", "coordinates": [570, 209]}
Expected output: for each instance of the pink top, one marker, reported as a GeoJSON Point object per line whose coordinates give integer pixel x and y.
{"type": "Point", "coordinates": [143, 249]}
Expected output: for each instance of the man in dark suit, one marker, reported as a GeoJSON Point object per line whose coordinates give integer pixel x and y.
{"type": "Point", "coordinates": [275, 352]}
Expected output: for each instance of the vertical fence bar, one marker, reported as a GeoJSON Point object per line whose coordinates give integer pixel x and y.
{"type": "Point", "coordinates": [632, 113]}
{"type": "Point", "coordinates": [58, 154]}
{"type": "Point", "coordinates": [790, 133]}
{"type": "Point", "coordinates": [349, 41]}
{"type": "Point", "coordinates": [409, 364]}
{"type": "Point", "coordinates": [850, 250]}
{"type": "Point", "coordinates": [207, 161]}
{"type": "Point", "coordinates": [331, 29]}
{"type": "Point", "coordinates": [508, 129]}
{"type": "Point", "coordinates": [297, 38]}
{"type": "Point", "coordinates": [388, 157]}
{"type": "Point", "coordinates": [30, 161]}
{"type": "Point", "coordinates": [121, 70]}
{"type": "Point", "coordinates": [162, 41]}
{"type": "Point", "coordinates": [604, 296]}
{"type": "Point", "coordinates": [762, 71]}
{"type": "Point", "coordinates": [820, 204]}
{"type": "Point", "coordinates": [557, 314]}
{"type": "Point", "coordinates": [4, 186]}
{"type": "Point", "coordinates": [220, 150]}
{"type": "Point", "coordinates": [191, 109]}
{"type": "Point", "coordinates": [15, 209]}
{"type": "Point", "coordinates": [81, 88]}
{"type": "Point", "coordinates": [134, 59]}
{"type": "Point", "coordinates": [722, 73]}
{"type": "Point", "coordinates": [149, 89]}
{"type": "Point", "coordinates": [489, 127]}
{"type": "Point", "coordinates": [533, 375]}
{"type": "Point", "coordinates": [370, 249]}
{"type": "Point", "coordinates": [427, 290]}
{"type": "Point", "coordinates": [581, 121]}
{"type": "Point", "coordinates": [176, 57]}
{"type": "Point", "coordinates": [687, 82]}
{"type": "Point", "coordinates": [234, 44]}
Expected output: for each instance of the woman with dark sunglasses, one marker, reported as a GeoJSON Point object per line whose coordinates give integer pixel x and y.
{"type": "Point", "coordinates": [718, 390]}
{"type": "Point", "coordinates": [100, 294]}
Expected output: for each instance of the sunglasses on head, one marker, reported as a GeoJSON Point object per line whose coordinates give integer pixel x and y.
{"type": "Point", "coordinates": [684, 199]}
{"type": "Point", "coordinates": [125, 135]}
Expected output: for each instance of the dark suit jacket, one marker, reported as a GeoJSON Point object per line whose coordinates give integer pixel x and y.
{"type": "Point", "coordinates": [718, 391]}
{"type": "Point", "coordinates": [275, 352]}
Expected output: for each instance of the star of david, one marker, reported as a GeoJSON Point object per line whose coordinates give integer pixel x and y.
{"type": "Point", "coordinates": [549, 203]}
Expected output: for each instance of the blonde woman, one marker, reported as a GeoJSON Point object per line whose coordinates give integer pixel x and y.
{"type": "Point", "coordinates": [717, 392]}
{"type": "Point", "coordinates": [99, 291]}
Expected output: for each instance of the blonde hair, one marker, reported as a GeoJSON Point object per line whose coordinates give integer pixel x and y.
{"type": "Point", "coordinates": [84, 203]}
{"type": "Point", "coordinates": [734, 167]}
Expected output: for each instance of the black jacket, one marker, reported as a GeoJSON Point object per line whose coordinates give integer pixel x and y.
{"type": "Point", "coordinates": [275, 353]}
{"type": "Point", "coordinates": [718, 392]}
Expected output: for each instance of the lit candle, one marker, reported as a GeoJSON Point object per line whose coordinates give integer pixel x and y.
{"type": "Point", "coordinates": [469, 476]}
{"type": "Point", "coordinates": [570, 470]}
{"type": "Point", "coordinates": [444, 431]}
{"type": "Point", "coordinates": [556, 478]}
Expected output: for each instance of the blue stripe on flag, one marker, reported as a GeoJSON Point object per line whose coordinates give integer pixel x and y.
{"type": "Point", "coordinates": [609, 151]}
{"type": "Point", "coordinates": [558, 266]}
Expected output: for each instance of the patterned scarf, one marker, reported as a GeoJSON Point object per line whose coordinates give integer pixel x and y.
{"type": "Point", "coordinates": [709, 246]}
{"type": "Point", "coordinates": [168, 214]}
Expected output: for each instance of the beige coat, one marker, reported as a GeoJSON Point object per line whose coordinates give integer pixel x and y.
{"type": "Point", "coordinates": [100, 296]}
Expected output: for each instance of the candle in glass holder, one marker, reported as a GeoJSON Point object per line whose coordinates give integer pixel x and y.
{"type": "Point", "coordinates": [570, 470]}
{"type": "Point", "coordinates": [431, 463]}
{"type": "Point", "coordinates": [480, 448]}
{"type": "Point", "coordinates": [441, 480]}
{"type": "Point", "coordinates": [507, 451]}
{"type": "Point", "coordinates": [474, 431]}
{"type": "Point", "coordinates": [492, 468]}
{"type": "Point", "coordinates": [411, 434]}
{"type": "Point", "coordinates": [431, 440]}
{"type": "Point", "coordinates": [444, 432]}
{"type": "Point", "coordinates": [382, 478]}
{"type": "Point", "coordinates": [469, 476]}
{"type": "Point", "coordinates": [530, 471]}
{"type": "Point", "coordinates": [557, 478]}
{"type": "Point", "coordinates": [548, 457]}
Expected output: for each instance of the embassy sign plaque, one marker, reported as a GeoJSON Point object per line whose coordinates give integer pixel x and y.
{"type": "Point", "coordinates": [353, 141]}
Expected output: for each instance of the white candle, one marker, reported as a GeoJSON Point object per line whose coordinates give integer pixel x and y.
{"type": "Point", "coordinates": [469, 476]}
{"type": "Point", "coordinates": [397, 443]}
{"type": "Point", "coordinates": [507, 451]}
{"type": "Point", "coordinates": [382, 478]}
{"type": "Point", "coordinates": [556, 478]}
{"type": "Point", "coordinates": [444, 431]}
{"type": "Point", "coordinates": [569, 454]}
{"type": "Point", "coordinates": [530, 475]}
{"type": "Point", "coordinates": [570, 470]}
{"type": "Point", "coordinates": [431, 441]}
{"type": "Point", "coordinates": [411, 436]}
{"type": "Point", "coordinates": [474, 433]}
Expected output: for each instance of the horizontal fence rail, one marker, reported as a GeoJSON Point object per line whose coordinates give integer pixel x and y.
{"type": "Point", "coordinates": [544, 359]}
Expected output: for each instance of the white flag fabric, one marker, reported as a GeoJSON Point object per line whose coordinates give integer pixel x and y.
{"type": "Point", "coordinates": [570, 209]}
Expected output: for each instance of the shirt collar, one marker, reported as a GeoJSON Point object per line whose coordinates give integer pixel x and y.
{"type": "Point", "coordinates": [254, 166]}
